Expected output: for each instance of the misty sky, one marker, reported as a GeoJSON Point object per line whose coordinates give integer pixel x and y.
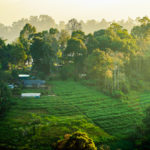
{"type": "Point", "coordinates": [12, 10]}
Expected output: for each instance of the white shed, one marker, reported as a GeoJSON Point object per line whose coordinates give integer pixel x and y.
{"type": "Point", "coordinates": [35, 95]}
{"type": "Point", "coordinates": [24, 75]}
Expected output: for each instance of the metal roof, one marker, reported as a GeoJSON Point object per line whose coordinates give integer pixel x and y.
{"type": "Point", "coordinates": [34, 82]}
{"type": "Point", "coordinates": [30, 94]}
{"type": "Point", "coordinates": [23, 75]}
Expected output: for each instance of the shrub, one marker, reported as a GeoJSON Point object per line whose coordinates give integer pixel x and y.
{"type": "Point", "coordinates": [5, 94]}
{"type": "Point", "coordinates": [5, 76]}
{"type": "Point", "coordinates": [14, 75]}
{"type": "Point", "coordinates": [76, 141]}
{"type": "Point", "coordinates": [67, 71]}
{"type": "Point", "coordinates": [16, 91]}
{"type": "Point", "coordinates": [117, 94]}
{"type": "Point", "coordinates": [125, 87]}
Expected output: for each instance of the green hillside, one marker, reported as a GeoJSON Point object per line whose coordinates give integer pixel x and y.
{"type": "Point", "coordinates": [68, 107]}
{"type": "Point", "coordinates": [113, 115]}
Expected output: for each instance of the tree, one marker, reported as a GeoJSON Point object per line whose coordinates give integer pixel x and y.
{"type": "Point", "coordinates": [17, 54]}
{"type": "Point", "coordinates": [91, 43]}
{"type": "Point", "coordinates": [141, 33]}
{"type": "Point", "coordinates": [25, 38]}
{"type": "Point", "coordinates": [53, 31]}
{"type": "Point", "coordinates": [63, 38]}
{"type": "Point", "coordinates": [46, 22]}
{"type": "Point", "coordinates": [4, 56]}
{"type": "Point", "coordinates": [115, 38]}
{"type": "Point", "coordinates": [76, 141]}
{"type": "Point", "coordinates": [73, 25]}
{"type": "Point", "coordinates": [75, 53]}
{"type": "Point", "coordinates": [102, 39]}
{"type": "Point", "coordinates": [75, 50]}
{"type": "Point", "coordinates": [78, 34]}
{"type": "Point", "coordinates": [42, 55]}
{"type": "Point", "coordinates": [99, 65]}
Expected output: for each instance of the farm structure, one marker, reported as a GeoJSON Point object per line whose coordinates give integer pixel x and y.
{"type": "Point", "coordinates": [34, 83]}
{"type": "Point", "coordinates": [23, 76]}
{"type": "Point", "coordinates": [35, 95]}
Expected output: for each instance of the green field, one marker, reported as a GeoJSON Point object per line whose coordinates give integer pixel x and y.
{"type": "Point", "coordinates": [114, 116]}
{"type": "Point", "coordinates": [68, 107]}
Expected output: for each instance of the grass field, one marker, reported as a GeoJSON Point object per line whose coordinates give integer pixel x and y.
{"type": "Point", "coordinates": [70, 106]}
{"type": "Point", "coordinates": [114, 116]}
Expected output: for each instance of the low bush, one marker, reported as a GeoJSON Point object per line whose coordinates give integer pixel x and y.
{"type": "Point", "coordinates": [76, 141]}
{"type": "Point", "coordinates": [16, 91]}
{"type": "Point", "coordinates": [118, 94]}
{"type": "Point", "coordinates": [5, 94]}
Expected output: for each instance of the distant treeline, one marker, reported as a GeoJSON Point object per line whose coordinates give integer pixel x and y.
{"type": "Point", "coordinates": [118, 60]}
{"type": "Point", "coordinates": [45, 22]}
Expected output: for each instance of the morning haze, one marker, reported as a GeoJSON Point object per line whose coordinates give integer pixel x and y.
{"type": "Point", "coordinates": [12, 10]}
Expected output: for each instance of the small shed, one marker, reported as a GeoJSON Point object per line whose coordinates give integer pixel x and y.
{"type": "Point", "coordinates": [34, 83]}
{"type": "Point", "coordinates": [35, 95]}
{"type": "Point", "coordinates": [23, 76]}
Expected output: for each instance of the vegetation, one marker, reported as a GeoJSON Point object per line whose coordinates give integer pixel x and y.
{"type": "Point", "coordinates": [4, 97]}
{"type": "Point", "coordinates": [77, 140]}
{"type": "Point", "coordinates": [51, 117]}
{"type": "Point", "coordinates": [97, 83]}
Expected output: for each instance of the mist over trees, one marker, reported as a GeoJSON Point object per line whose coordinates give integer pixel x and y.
{"type": "Point", "coordinates": [45, 22]}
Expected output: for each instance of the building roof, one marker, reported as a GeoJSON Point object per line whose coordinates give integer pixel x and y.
{"type": "Point", "coordinates": [24, 75]}
{"type": "Point", "coordinates": [34, 82]}
{"type": "Point", "coordinates": [30, 94]}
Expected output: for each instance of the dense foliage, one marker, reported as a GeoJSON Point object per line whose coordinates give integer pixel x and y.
{"type": "Point", "coordinates": [4, 97]}
{"type": "Point", "coordinates": [76, 141]}
{"type": "Point", "coordinates": [109, 55]}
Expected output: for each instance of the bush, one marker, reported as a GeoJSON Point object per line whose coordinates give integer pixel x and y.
{"type": "Point", "coordinates": [76, 141]}
{"type": "Point", "coordinates": [16, 91]}
{"type": "Point", "coordinates": [14, 75]}
{"type": "Point", "coordinates": [118, 94]}
{"type": "Point", "coordinates": [125, 87]}
{"type": "Point", "coordinates": [5, 76]}
{"type": "Point", "coordinates": [137, 84]}
{"type": "Point", "coordinates": [67, 71]}
{"type": "Point", "coordinates": [5, 94]}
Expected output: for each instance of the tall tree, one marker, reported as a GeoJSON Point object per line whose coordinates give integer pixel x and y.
{"type": "Point", "coordinates": [25, 38]}
{"type": "Point", "coordinates": [73, 25]}
{"type": "Point", "coordinates": [75, 54]}
{"type": "Point", "coordinates": [42, 54]}
{"type": "Point", "coordinates": [4, 59]}
{"type": "Point", "coordinates": [17, 54]}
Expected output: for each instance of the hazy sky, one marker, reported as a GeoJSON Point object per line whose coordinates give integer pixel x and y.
{"type": "Point", "coordinates": [12, 10]}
